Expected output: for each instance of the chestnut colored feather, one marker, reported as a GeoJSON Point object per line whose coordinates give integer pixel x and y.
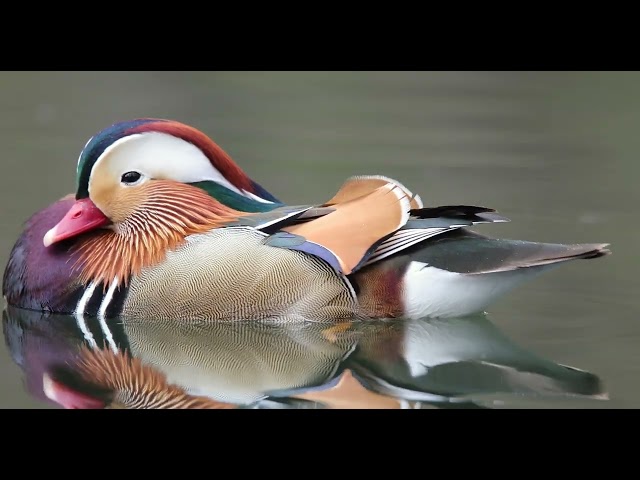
{"type": "Point", "coordinates": [380, 288]}
{"type": "Point", "coordinates": [167, 213]}
{"type": "Point", "coordinates": [358, 186]}
{"type": "Point", "coordinates": [356, 225]}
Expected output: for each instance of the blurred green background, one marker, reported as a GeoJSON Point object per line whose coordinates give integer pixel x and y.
{"type": "Point", "coordinates": [554, 151]}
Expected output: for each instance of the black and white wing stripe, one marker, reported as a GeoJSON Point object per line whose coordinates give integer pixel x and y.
{"type": "Point", "coordinates": [425, 223]}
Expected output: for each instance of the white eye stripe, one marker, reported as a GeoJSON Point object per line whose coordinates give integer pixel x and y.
{"type": "Point", "coordinates": [158, 155]}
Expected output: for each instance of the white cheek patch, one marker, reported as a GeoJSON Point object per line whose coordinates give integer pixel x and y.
{"type": "Point", "coordinates": [160, 156]}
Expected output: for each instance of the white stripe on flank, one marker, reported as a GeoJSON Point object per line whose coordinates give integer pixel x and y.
{"type": "Point", "coordinates": [79, 314]}
{"type": "Point", "coordinates": [101, 315]}
{"type": "Point", "coordinates": [84, 299]}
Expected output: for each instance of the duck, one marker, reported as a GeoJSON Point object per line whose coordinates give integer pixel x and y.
{"type": "Point", "coordinates": [164, 223]}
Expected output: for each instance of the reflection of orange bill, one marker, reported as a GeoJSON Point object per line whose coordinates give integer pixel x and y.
{"type": "Point", "coordinates": [68, 397]}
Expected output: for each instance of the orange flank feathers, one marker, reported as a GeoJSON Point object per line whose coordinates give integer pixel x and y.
{"type": "Point", "coordinates": [358, 223]}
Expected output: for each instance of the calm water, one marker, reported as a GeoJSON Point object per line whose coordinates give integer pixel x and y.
{"type": "Point", "coordinates": [555, 152]}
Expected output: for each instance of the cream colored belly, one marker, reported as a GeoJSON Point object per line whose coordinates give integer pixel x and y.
{"type": "Point", "coordinates": [229, 274]}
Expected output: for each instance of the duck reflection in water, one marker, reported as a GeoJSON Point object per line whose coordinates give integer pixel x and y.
{"type": "Point", "coordinates": [140, 363]}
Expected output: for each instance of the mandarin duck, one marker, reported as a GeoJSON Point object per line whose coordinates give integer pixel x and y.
{"type": "Point", "coordinates": [165, 224]}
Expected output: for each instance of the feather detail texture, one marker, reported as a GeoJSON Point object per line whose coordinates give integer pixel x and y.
{"type": "Point", "coordinates": [165, 213]}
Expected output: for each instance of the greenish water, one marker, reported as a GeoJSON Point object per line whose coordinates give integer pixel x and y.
{"type": "Point", "coordinates": [555, 152]}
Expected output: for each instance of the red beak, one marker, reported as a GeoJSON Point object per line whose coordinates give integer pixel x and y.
{"type": "Point", "coordinates": [83, 216]}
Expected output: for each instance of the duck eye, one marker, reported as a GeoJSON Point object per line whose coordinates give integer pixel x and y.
{"type": "Point", "coordinates": [130, 177]}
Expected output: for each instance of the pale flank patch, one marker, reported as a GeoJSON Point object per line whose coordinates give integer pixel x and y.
{"type": "Point", "coordinates": [433, 292]}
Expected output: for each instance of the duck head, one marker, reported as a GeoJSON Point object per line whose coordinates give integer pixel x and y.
{"type": "Point", "coordinates": [107, 379]}
{"type": "Point", "coordinates": [142, 187]}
